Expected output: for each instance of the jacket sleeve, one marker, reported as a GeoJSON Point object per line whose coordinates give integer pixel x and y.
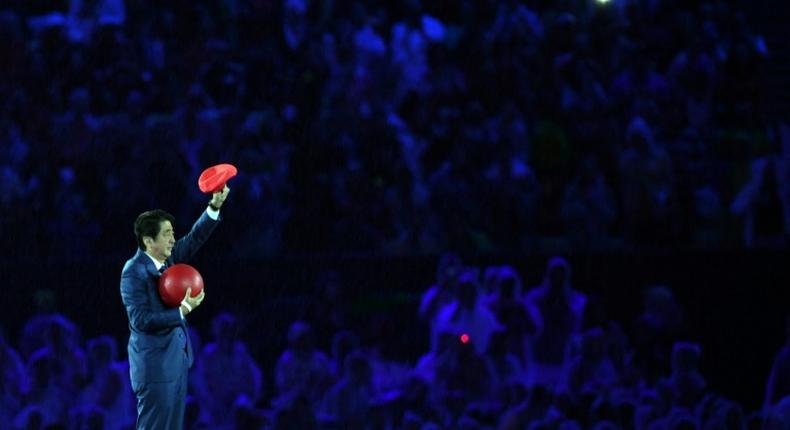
{"type": "Point", "coordinates": [187, 246]}
{"type": "Point", "coordinates": [142, 316]}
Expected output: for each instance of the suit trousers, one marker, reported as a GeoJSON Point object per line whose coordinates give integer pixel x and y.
{"type": "Point", "coordinates": [161, 405]}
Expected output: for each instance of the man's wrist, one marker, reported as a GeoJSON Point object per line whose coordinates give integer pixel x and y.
{"type": "Point", "coordinates": [213, 207]}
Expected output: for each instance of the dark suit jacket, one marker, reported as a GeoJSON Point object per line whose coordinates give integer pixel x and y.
{"type": "Point", "coordinates": [159, 336]}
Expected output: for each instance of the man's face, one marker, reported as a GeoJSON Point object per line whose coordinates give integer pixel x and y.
{"type": "Point", "coordinates": [161, 246]}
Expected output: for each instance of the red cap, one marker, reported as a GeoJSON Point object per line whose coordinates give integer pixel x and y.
{"type": "Point", "coordinates": [213, 179]}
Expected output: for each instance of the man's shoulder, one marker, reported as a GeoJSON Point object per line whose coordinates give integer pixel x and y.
{"type": "Point", "coordinates": [134, 265]}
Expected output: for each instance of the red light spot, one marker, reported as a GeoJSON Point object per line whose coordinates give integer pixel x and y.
{"type": "Point", "coordinates": [464, 338]}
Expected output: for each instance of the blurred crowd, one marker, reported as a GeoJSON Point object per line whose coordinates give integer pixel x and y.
{"type": "Point", "coordinates": [408, 127]}
{"type": "Point", "coordinates": [501, 355]}
{"type": "Point", "coordinates": [392, 128]}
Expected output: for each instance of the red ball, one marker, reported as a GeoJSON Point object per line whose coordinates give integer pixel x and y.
{"type": "Point", "coordinates": [174, 282]}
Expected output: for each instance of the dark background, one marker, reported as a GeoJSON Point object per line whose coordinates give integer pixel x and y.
{"type": "Point", "coordinates": [734, 303]}
{"type": "Point", "coordinates": [64, 241]}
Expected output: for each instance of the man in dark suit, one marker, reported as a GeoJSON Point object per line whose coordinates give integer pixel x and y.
{"type": "Point", "coordinates": [160, 352]}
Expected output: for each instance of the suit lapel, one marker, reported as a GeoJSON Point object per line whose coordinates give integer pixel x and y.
{"type": "Point", "coordinates": [145, 260]}
{"type": "Point", "coordinates": [150, 267]}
